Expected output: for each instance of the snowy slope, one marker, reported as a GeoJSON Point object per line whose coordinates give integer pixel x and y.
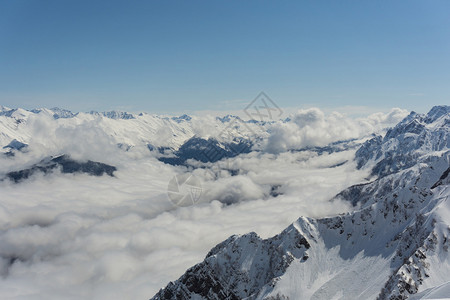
{"type": "Point", "coordinates": [394, 245]}
{"type": "Point", "coordinates": [439, 292]}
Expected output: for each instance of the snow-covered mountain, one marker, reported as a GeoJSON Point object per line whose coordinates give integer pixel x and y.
{"type": "Point", "coordinates": [394, 245]}
{"type": "Point", "coordinates": [415, 136]}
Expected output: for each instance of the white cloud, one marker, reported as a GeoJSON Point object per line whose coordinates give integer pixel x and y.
{"type": "Point", "coordinates": [311, 127]}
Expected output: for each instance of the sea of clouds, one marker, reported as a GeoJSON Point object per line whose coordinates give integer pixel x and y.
{"type": "Point", "coordinates": [75, 236]}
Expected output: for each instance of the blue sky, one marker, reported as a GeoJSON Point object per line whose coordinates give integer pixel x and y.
{"type": "Point", "coordinates": [174, 56]}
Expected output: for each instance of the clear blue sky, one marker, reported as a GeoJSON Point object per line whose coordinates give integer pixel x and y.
{"type": "Point", "coordinates": [162, 56]}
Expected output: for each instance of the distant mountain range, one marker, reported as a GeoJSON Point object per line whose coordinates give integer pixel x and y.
{"type": "Point", "coordinates": [154, 131]}
{"type": "Point", "coordinates": [172, 140]}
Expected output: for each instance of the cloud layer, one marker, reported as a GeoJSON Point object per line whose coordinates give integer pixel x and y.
{"type": "Point", "coordinates": [75, 236]}
{"type": "Point", "coordinates": [65, 236]}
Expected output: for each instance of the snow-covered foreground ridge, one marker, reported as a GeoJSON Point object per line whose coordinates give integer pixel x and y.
{"type": "Point", "coordinates": [394, 245]}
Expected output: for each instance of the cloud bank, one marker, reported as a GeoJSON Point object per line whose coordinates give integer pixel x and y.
{"type": "Point", "coordinates": [74, 236]}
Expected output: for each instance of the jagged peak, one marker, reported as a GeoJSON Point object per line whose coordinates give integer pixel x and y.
{"type": "Point", "coordinates": [415, 120]}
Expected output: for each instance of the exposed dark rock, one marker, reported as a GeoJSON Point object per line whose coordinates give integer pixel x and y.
{"type": "Point", "coordinates": [443, 177]}
{"type": "Point", "coordinates": [15, 144]}
{"type": "Point", "coordinates": [66, 164]}
{"type": "Point", "coordinates": [209, 150]}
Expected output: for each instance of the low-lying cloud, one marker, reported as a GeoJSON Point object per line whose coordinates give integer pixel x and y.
{"type": "Point", "coordinates": [72, 236]}
{"type": "Point", "coordinates": [77, 236]}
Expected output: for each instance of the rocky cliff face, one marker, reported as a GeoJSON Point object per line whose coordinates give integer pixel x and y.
{"type": "Point", "coordinates": [395, 244]}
